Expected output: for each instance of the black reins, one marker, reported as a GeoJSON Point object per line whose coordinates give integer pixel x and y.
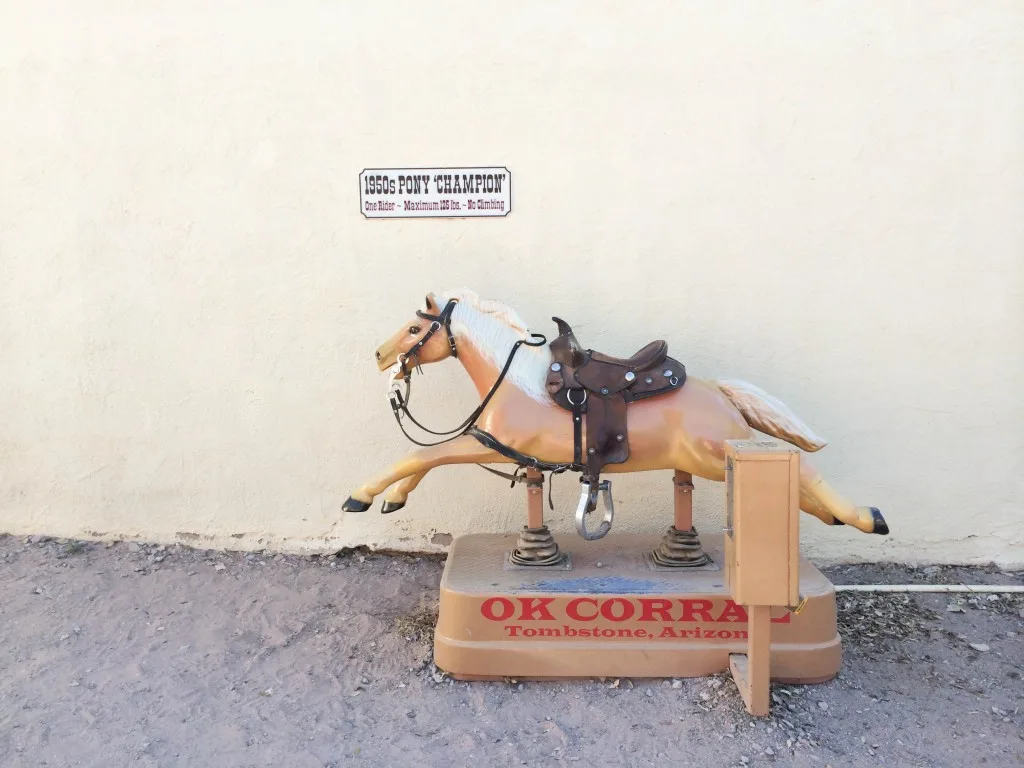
{"type": "Point", "coordinates": [400, 404]}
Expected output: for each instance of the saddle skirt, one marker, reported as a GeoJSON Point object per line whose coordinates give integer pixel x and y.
{"type": "Point", "coordinates": [599, 387]}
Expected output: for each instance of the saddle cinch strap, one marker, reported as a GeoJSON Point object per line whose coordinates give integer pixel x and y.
{"type": "Point", "coordinates": [598, 388]}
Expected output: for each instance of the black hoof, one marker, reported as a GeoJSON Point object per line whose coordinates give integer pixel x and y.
{"type": "Point", "coordinates": [391, 506]}
{"type": "Point", "coordinates": [880, 527]}
{"type": "Point", "coordinates": [355, 505]}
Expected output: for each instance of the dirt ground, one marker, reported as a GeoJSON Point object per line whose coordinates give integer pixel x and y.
{"type": "Point", "coordinates": [135, 655]}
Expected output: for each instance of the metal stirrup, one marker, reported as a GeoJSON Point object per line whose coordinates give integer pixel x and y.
{"type": "Point", "coordinates": [588, 500]}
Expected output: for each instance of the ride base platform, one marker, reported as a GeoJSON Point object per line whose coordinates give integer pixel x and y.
{"type": "Point", "coordinates": [610, 612]}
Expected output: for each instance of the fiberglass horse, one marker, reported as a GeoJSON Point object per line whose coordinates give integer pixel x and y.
{"type": "Point", "coordinates": [677, 422]}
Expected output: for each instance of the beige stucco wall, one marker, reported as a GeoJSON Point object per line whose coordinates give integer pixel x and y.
{"type": "Point", "coordinates": [822, 198]}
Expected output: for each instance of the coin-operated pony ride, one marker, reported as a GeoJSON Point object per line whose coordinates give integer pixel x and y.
{"type": "Point", "coordinates": [524, 607]}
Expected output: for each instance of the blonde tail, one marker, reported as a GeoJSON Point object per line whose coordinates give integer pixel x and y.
{"type": "Point", "coordinates": [769, 415]}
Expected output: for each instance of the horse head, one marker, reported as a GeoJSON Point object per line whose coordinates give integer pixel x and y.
{"type": "Point", "coordinates": [425, 338]}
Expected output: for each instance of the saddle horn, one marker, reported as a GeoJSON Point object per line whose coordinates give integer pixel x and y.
{"type": "Point", "coordinates": [565, 347]}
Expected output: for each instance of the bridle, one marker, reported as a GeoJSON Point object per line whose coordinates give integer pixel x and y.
{"type": "Point", "coordinates": [440, 320]}
{"type": "Point", "coordinates": [400, 408]}
{"type": "Point", "coordinates": [400, 402]}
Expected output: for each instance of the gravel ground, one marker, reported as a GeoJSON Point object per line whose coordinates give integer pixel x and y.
{"type": "Point", "coordinates": [129, 654]}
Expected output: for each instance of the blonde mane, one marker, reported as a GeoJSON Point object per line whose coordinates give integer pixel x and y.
{"type": "Point", "coordinates": [493, 328]}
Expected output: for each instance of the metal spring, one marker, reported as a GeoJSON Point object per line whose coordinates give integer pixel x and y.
{"type": "Point", "coordinates": [536, 546]}
{"type": "Point", "coordinates": [680, 549]}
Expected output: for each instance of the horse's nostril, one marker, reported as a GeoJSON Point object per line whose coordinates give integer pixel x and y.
{"type": "Point", "coordinates": [378, 355]}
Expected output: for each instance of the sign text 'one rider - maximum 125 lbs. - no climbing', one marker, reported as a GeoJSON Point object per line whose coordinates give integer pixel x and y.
{"type": "Point", "coordinates": [403, 193]}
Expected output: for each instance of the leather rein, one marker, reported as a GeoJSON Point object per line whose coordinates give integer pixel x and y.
{"type": "Point", "coordinates": [400, 403]}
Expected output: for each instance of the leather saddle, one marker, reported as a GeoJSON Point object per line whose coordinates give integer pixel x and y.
{"type": "Point", "coordinates": [599, 387]}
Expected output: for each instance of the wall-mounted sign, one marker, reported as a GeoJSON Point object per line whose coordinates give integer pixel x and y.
{"type": "Point", "coordinates": [411, 193]}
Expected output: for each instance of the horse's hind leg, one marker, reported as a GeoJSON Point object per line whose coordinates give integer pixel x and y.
{"type": "Point", "coordinates": [818, 498]}
{"type": "Point", "coordinates": [813, 508]}
{"type": "Point", "coordinates": [711, 466]}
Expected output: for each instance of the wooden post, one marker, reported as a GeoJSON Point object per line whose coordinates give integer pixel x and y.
{"type": "Point", "coordinates": [534, 498]}
{"type": "Point", "coordinates": [751, 672]}
{"type": "Point", "coordinates": [683, 482]}
{"type": "Point", "coordinates": [762, 552]}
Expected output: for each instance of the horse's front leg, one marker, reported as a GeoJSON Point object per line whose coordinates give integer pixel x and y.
{"type": "Point", "coordinates": [462, 450]}
{"type": "Point", "coordinates": [398, 494]}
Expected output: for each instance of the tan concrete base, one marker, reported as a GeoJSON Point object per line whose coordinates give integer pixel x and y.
{"type": "Point", "coordinates": [623, 618]}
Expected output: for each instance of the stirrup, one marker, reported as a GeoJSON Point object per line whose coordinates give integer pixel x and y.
{"type": "Point", "coordinates": [588, 503]}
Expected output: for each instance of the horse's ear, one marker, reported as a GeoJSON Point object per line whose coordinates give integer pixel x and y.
{"type": "Point", "coordinates": [431, 303]}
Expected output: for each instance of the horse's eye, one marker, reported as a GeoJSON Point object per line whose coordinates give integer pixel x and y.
{"type": "Point", "coordinates": [414, 329]}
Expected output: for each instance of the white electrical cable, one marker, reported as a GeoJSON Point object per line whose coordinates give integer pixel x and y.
{"type": "Point", "coordinates": [981, 588]}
